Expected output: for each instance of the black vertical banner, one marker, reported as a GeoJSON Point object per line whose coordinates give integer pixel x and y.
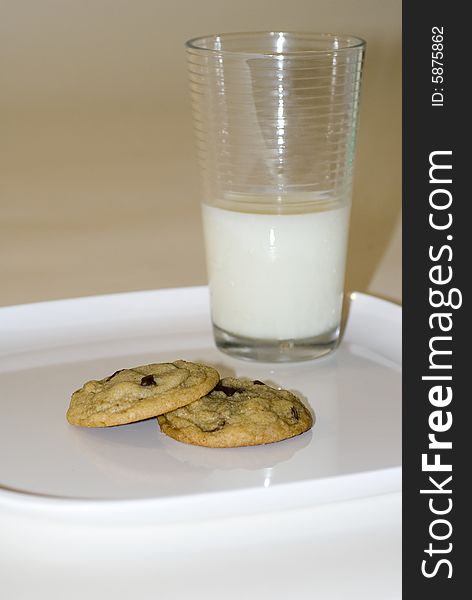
{"type": "Point", "coordinates": [437, 268]}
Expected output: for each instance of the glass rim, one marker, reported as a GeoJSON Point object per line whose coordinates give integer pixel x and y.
{"type": "Point", "coordinates": [346, 43]}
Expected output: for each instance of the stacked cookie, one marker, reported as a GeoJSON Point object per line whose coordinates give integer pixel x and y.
{"type": "Point", "coordinates": [192, 405]}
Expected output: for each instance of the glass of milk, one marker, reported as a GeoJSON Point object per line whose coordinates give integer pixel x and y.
{"type": "Point", "coordinates": [275, 118]}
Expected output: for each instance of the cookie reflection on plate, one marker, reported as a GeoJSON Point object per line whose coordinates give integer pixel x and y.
{"type": "Point", "coordinates": [249, 457]}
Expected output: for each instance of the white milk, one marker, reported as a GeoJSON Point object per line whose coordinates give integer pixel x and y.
{"type": "Point", "coordinates": [276, 276]}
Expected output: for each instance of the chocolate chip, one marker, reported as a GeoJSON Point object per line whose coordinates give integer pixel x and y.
{"type": "Point", "coordinates": [115, 373]}
{"type": "Point", "coordinates": [229, 391]}
{"type": "Point", "coordinates": [295, 414]}
{"type": "Point", "coordinates": [257, 382]}
{"type": "Point", "coordinates": [148, 380]}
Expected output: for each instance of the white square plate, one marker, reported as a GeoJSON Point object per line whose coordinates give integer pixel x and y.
{"type": "Point", "coordinates": [136, 473]}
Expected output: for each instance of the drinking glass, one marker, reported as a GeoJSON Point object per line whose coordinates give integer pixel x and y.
{"type": "Point", "coordinates": [275, 116]}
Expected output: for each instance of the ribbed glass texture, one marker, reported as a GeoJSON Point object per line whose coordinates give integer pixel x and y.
{"type": "Point", "coordinates": [275, 115]}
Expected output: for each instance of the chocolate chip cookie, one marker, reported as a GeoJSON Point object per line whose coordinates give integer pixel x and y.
{"type": "Point", "coordinates": [139, 393]}
{"type": "Point", "coordinates": [238, 412]}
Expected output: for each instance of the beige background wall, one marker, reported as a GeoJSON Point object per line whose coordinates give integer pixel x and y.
{"type": "Point", "coordinates": [98, 178]}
